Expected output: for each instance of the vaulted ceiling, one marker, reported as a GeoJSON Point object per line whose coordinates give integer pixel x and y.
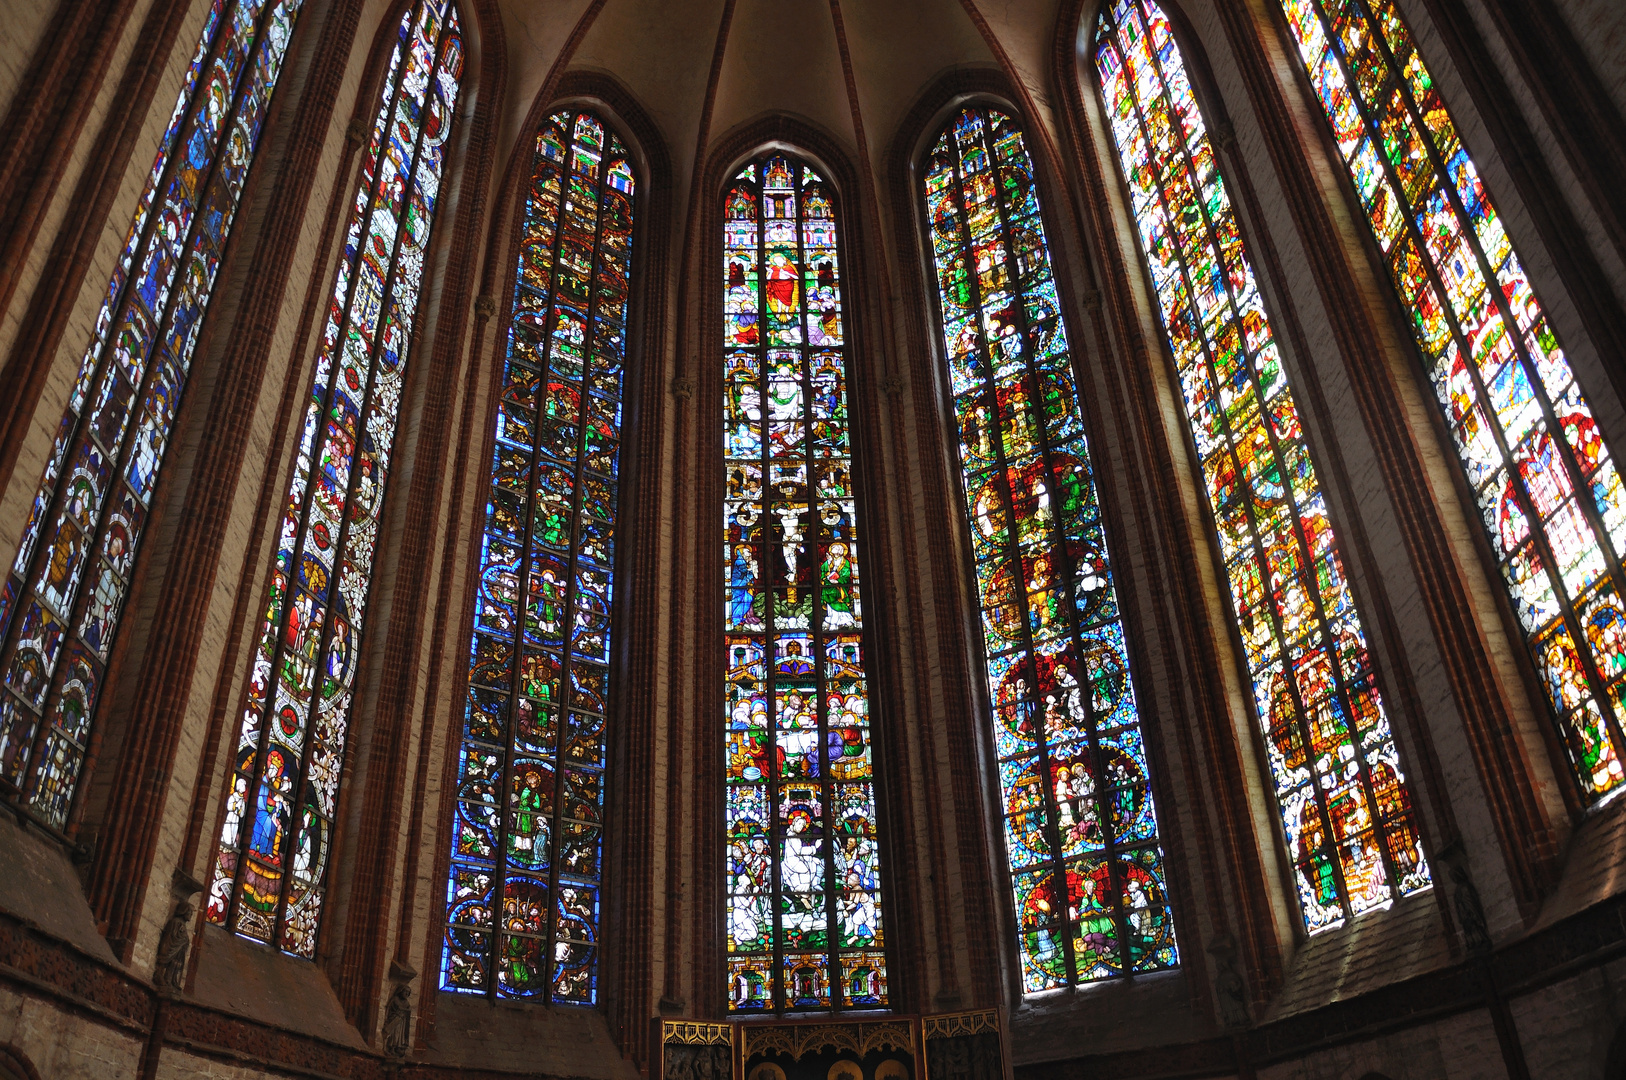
{"type": "Point", "coordinates": [776, 56]}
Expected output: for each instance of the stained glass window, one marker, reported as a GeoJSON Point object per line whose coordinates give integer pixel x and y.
{"type": "Point", "coordinates": [1548, 491]}
{"type": "Point", "coordinates": [72, 571]}
{"type": "Point", "coordinates": [1080, 827]}
{"type": "Point", "coordinates": [274, 847]}
{"type": "Point", "coordinates": [1351, 829]}
{"type": "Point", "coordinates": [804, 890]}
{"type": "Point", "coordinates": [534, 722]}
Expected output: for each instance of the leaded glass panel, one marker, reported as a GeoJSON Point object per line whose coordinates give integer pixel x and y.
{"type": "Point", "coordinates": [1351, 829]}
{"type": "Point", "coordinates": [1080, 825]}
{"type": "Point", "coordinates": [268, 882]}
{"type": "Point", "coordinates": [804, 889]}
{"type": "Point", "coordinates": [531, 770]}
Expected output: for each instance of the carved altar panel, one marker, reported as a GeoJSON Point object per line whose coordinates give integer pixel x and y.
{"type": "Point", "coordinates": [965, 1046]}
{"type": "Point", "coordinates": [953, 1046]}
{"type": "Point", "coordinates": [882, 1049]}
{"type": "Point", "coordinates": [695, 1050]}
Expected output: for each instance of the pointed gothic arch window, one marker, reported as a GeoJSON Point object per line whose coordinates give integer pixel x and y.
{"type": "Point", "coordinates": [1080, 826]}
{"type": "Point", "coordinates": [270, 868]}
{"type": "Point", "coordinates": [1548, 491]}
{"type": "Point", "coordinates": [61, 603]}
{"type": "Point", "coordinates": [804, 890]}
{"type": "Point", "coordinates": [1351, 829]}
{"type": "Point", "coordinates": [527, 834]}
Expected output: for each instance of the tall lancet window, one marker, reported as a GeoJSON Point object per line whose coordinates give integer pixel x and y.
{"type": "Point", "coordinates": [1351, 828]}
{"type": "Point", "coordinates": [1080, 827]}
{"type": "Point", "coordinates": [523, 898]}
{"type": "Point", "coordinates": [72, 571]}
{"type": "Point", "coordinates": [1548, 491]}
{"type": "Point", "coordinates": [274, 848]}
{"type": "Point", "coordinates": [804, 923]}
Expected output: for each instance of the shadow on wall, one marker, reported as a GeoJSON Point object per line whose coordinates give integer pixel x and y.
{"type": "Point", "coordinates": [14, 1065]}
{"type": "Point", "coordinates": [1614, 1065]}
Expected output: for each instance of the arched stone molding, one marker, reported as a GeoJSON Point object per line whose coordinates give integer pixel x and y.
{"type": "Point", "coordinates": [14, 1064]}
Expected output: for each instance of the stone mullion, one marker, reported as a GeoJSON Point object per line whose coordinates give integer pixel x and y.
{"type": "Point", "coordinates": [1555, 429]}
{"type": "Point", "coordinates": [325, 640]}
{"type": "Point", "coordinates": [267, 718]}
{"type": "Point", "coordinates": [357, 625]}
{"type": "Point", "coordinates": [816, 636]}
{"type": "Point", "coordinates": [1312, 586]}
{"type": "Point", "coordinates": [572, 586]}
{"type": "Point", "coordinates": [1301, 720]}
{"type": "Point", "coordinates": [516, 682]}
{"type": "Point", "coordinates": [772, 778]}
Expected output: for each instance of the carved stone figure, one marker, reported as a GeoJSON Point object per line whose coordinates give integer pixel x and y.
{"type": "Point", "coordinates": [1470, 912]}
{"type": "Point", "coordinates": [398, 1021]}
{"type": "Point", "coordinates": [169, 970]}
{"type": "Point", "coordinates": [1230, 992]}
{"type": "Point", "coordinates": [697, 1062]}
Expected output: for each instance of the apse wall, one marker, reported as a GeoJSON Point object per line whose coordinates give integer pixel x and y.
{"type": "Point", "coordinates": [1509, 963]}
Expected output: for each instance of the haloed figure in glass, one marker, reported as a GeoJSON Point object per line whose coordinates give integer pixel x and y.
{"type": "Point", "coordinates": [804, 903]}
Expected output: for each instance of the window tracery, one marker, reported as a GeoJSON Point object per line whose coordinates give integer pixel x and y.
{"type": "Point", "coordinates": [531, 770]}
{"type": "Point", "coordinates": [804, 891]}
{"type": "Point", "coordinates": [1080, 823]}
{"type": "Point", "coordinates": [68, 584]}
{"type": "Point", "coordinates": [274, 847]}
{"type": "Point", "coordinates": [1351, 829]}
{"type": "Point", "coordinates": [1549, 494]}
